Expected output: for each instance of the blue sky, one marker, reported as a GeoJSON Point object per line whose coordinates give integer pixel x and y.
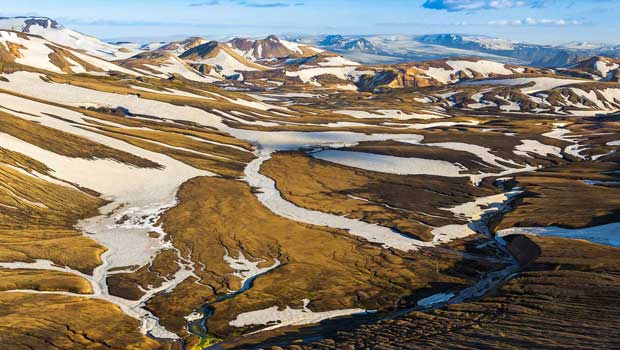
{"type": "Point", "coordinates": [539, 21]}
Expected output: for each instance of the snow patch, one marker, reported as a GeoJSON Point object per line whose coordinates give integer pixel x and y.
{"type": "Point", "coordinates": [274, 318]}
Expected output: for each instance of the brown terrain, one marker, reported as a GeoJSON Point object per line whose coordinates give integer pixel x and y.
{"type": "Point", "coordinates": [213, 248]}
{"type": "Point", "coordinates": [564, 297]}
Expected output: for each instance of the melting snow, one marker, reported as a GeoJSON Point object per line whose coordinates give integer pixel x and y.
{"type": "Point", "coordinates": [532, 146]}
{"type": "Point", "coordinates": [276, 318]}
{"type": "Point", "coordinates": [391, 164]}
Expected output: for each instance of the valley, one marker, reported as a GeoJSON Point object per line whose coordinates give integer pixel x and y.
{"type": "Point", "coordinates": [274, 194]}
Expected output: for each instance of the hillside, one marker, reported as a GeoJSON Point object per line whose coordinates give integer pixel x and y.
{"type": "Point", "coordinates": [163, 64]}
{"type": "Point", "coordinates": [54, 32]}
{"type": "Point", "coordinates": [34, 51]}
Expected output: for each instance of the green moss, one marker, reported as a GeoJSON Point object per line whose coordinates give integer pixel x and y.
{"type": "Point", "coordinates": [206, 341]}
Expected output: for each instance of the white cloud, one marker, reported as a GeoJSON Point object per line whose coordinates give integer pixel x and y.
{"type": "Point", "coordinates": [472, 5]}
{"type": "Point", "coordinates": [537, 22]}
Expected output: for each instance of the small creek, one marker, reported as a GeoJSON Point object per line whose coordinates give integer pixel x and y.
{"type": "Point", "coordinates": [488, 282]}
{"type": "Point", "coordinates": [269, 196]}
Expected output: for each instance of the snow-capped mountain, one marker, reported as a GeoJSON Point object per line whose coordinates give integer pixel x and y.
{"type": "Point", "coordinates": [37, 52]}
{"type": "Point", "coordinates": [374, 49]}
{"type": "Point", "coordinates": [340, 43]}
{"type": "Point", "coordinates": [537, 55]}
{"type": "Point", "coordinates": [270, 48]}
{"type": "Point", "coordinates": [56, 33]}
{"type": "Point", "coordinates": [390, 49]}
{"type": "Point", "coordinates": [470, 42]}
{"type": "Point", "coordinates": [222, 57]}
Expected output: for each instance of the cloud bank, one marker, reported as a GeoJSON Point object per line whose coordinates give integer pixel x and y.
{"type": "Point", "coordinates": [474, 5]}
{"type": "Point", "coordinates": [537, 22]}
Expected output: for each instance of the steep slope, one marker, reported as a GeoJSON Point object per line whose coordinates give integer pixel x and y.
{"type": "Point", "coordinates": [36, 52]}
{"type": "Point", "coordinates": [221, 56]}
{"type": "Point", "coordinates": [164, 65]}
{"type": "Point", "coordinates": [56, 33]}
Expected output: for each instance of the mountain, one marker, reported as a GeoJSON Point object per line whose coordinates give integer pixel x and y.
{"type": "Point", "coordinates": [56, 33]}
{"type": "Point", "coordinates": [340, 43]}
{"type": "Point", "coordinates": [331, 40]}
{"type": "Point", "coordinates": [179, 47]}
{"type": "Point", "coordinates": [537, 55]}
{"type": "Point", "coordinates": [478, 43]}
{"type": "Point", "coordinates": [534, 93]}
{"type": "Point", "coordinates": [437, 73]}
{"type": "Point", "coordinates": [596, 68]}
{"type": "Point", "coordinates": [165, 64]}
{"type": "Point", "coordinates": [222, 57]}
{"type": "Point", "coordinates": [269, 48]}
{"type": "Point", "coordinates": [388, 49]}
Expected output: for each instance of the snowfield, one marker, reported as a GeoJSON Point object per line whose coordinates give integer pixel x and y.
{"type": "Point", "coordinates": [390, 114]}
{"type": "Point", "coordinates": [390, 164]}
{"type": "Point", "coordinates": [483, 67]}
{"type": "Point", "coordinates": [344, 73]}
{"type": "Point", "coordinates": [527, 147]}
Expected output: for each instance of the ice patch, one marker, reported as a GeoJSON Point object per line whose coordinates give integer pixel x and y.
{"type": "Point", "coordinates": [435, 299]}
{"type": "Point", "coordinates": [606, 234]}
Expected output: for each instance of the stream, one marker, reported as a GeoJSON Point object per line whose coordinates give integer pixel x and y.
{"type": "Point", "coordinates": [488, 282]}
{"type": "Point", "coordinates": [271, 198]}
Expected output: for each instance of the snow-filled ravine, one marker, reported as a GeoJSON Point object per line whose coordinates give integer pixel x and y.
{"type": "Point", "coordinates": [139, 196]}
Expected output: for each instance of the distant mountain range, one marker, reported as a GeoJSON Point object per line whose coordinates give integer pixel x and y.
{"type": "Point", "coordinates": [372, 49]}
{"type": "Point", "coordinates": [332, 61]}
{"type": "Point", "coordinates": [400, 48]}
